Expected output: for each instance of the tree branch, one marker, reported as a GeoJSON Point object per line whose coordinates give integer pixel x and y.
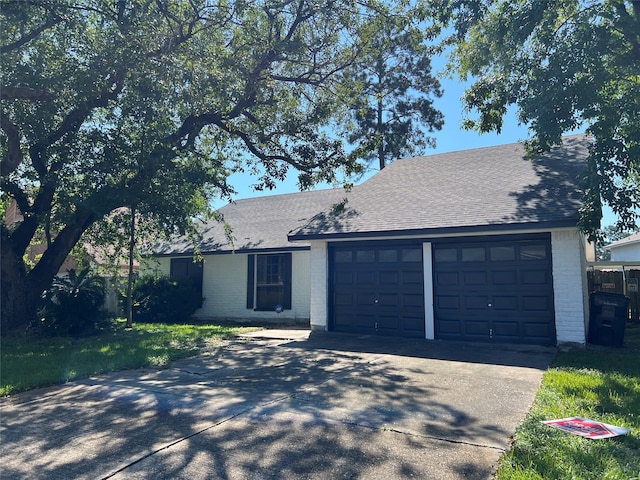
{"type": "Point", "coordinates": [24, 93]}
{"type": "Point", "coordinates": [14, 153]}
{"type": "Point", "coordinates": [30, 36]}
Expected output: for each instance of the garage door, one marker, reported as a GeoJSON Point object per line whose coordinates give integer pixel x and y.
{"type": "Point", "coordinates": [499, 291]}
{"type": "Point", "coordinates": [377, 290]}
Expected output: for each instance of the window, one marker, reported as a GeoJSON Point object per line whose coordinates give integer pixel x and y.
{"type": "Point", "coordinates": [473, 254]}
{"type": "Point", "coordinates": [446, 255]}
{"type": "Point", "coordinates": [269, 281]}
{"type": "Point", "coordinates": [533, 252]}
{"type": "Point", "coordinates": [185, 270]}
{"type": "Point", "coordinates": [502, 254]}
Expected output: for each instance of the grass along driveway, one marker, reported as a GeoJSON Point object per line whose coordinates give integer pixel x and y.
{"type": "Point", "coordinates": [599, 383]}
{"type": "Point", "coordinates": [29, 362]}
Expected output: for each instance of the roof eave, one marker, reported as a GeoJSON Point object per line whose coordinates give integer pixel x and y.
{"type": "Point", "coordinates": [426, 232]}
{"type": "Point", "coordinates": [227, 252]}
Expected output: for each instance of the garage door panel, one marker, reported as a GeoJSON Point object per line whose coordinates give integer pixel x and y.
{"type": "Point", "coordinates": [343, 299]}
{"type": "Point", "coordinates": [448, 302]}
{"type": "Point", "coordinates": [414, 278]}
{"type": "Point", "coordinates": [389, 278]}
{"type": "Point", "coordinates": [535, 277]}
{"type": "Point", "coordinates": [537, 330]}
{"type": "Point", "coordinates": [504, 277]}
{"type": "Point", "coordinates": [475, 302]}
{"type": "Point", "coordinates": [536, 304]}
{"type": "Point", "coordinates": [344, 278]}
{"type": "Point", "coordinates": [474, 278]}
{"type": "Point", "coordinates": [365, 278]}
{"type": "Point", "coordinates": [506, 303]}
{"type": "Point", "coordinates": [387, 322]}
{"type": "Point", "coordinates": [387, 292]}
{"type": "Point", "coordinates": [364, 320]}
{"type": "Point", "coordinates": [506, 329]}
{"type": "Point", "coordinates": [476, 326]}
{"type": "Point", "coordinates": [450, 327]}
{"type": "Point", "coordinates": [388, 300]}
{"type": "Point", "coordinates": [414, 300]}
{"type": "Point", "coordinates": [446, 278]}
{"type": "Point", "coordinates": [495, 290]}
{"type": "Point", "coordinates": [365, 299]}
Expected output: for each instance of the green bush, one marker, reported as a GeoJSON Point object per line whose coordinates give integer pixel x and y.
{"type": "Point", "coordinates": [72, 304]}
{"type": "Point", "coordinates": [159, 299]}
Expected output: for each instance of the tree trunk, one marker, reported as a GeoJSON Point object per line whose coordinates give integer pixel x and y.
{"type": "Point", "coordinates": [380, 128]}
{"type": "Point", "coordinates": [132, 246]}
{"type": "Point", "coordinates": [19, 303]}
{"type": "Point", "coordinates": [21, 290]}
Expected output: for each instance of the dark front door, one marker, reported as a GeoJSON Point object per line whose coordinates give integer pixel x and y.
{"type": "Point", "coordinates": [495, 291]}
{"type": "Point", "coordinates": [377, 289]}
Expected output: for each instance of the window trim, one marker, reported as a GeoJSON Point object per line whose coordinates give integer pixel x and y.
{"type": "Point", "coordinates": [252, 281]}
{"type": "Point", "coordinates": [194, 273]}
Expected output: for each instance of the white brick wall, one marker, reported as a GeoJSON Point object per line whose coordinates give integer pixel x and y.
{"type": "Point", "coordinates": [224, 288]}
{"type": "Point", "coordinates": [569, 283]}
{"type": "Point", "coordinates": [626, 252]}
{"type": "Point", "coordinates": [319, 277]}
{"type": "Point", "coordinates": [160, 265]}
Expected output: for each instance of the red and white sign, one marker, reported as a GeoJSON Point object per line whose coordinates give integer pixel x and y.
{"type": "Point", "coordinates": [587, 428]}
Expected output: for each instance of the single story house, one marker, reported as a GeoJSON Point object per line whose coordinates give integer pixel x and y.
{"type": "Point", "coordinates": [478, 245]}
{"type": "Point", "coordinates": [250, 269]}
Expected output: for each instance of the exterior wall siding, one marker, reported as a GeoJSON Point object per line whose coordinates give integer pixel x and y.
{"type": "Point", "coordinates": [224, 289]}
{"type": "Point", "coordinates": [569, 284]}
{"type": "Point", "coordinates": [630, 253]}
{"type": "Point", "coordinates": [157, 265]}
{"type": "Point", "coordinates": [319, 275]}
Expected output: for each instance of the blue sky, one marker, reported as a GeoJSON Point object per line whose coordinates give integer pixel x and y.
{"type": "Point", "coordinates": [450, 138]}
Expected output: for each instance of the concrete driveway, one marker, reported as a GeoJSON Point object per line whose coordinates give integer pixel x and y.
{"type": "Point", "coordinates": [281, 405]}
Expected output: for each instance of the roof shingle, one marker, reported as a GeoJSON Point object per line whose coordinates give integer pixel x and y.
{"type": "Point", "coordinates": [260, 223]}
{"type": "Point", "coordinates": [494, 187]}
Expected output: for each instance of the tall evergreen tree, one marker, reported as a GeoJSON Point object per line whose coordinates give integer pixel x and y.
{"type": "Point", "coordinates": [394, 112]}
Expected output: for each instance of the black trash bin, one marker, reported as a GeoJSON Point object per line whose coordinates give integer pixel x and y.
{"type": "Point", "coordinates": [608, 314]}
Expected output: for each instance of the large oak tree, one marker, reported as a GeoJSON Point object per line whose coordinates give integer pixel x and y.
{"type": "Point", "coordinates": [152, 103]}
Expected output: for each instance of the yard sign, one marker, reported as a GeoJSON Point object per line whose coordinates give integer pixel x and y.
{"type": "Point", "coordinates": [587, 428]}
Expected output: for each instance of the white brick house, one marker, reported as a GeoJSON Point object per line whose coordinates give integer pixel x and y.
{"type": "Point", "coordinates": [478, 245]}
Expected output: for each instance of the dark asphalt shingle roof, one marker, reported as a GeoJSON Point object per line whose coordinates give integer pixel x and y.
{"type": "Point", "coordinates": [471, 190]}
{"type": "Point", "coordinates": [259, 223]}
{"type": "Point", "coordinates": [495, 187]}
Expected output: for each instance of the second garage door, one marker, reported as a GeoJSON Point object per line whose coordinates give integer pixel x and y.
{"type": "Point", "coordinates": [495, 291]}
{"type": "Point", "coordinates": [377, 289]}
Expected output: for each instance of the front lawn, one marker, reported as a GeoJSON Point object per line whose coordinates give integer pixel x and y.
{"type": "Point", "coordinates": [599, 383]}
{"type": "Point", "coordinates": [28, 362]}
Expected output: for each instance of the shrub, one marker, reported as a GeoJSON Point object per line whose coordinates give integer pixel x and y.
{"type": "Point", "coordinates": [72, 304]}
{"type": "Point", "coordinates": [159, 299]}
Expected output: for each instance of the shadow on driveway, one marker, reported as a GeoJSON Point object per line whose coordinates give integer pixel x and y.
{"type": "Point", "coordinates": [331, 406]}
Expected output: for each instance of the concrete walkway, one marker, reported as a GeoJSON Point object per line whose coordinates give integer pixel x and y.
{"type": "Point", "coordinates": [282, 404]}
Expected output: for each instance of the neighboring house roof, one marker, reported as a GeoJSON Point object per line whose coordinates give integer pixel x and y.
{"type": "Point", "coordinates": [493, 188]}
{"type": "Point", "coordinates": [260, 223]}
{"type": "Point", "coordinates": [624, 242]}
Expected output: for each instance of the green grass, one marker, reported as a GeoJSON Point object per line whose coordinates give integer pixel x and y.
{"type": "Point", "coordinates": [599, 383]}
{"type": "Point", "coordinates": [28, 362]}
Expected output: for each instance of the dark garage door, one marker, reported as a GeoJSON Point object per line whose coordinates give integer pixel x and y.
{"type": "Point", "coordinates": [377, 290]}
{"type": "Point", "coordinates": [495, 291]}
